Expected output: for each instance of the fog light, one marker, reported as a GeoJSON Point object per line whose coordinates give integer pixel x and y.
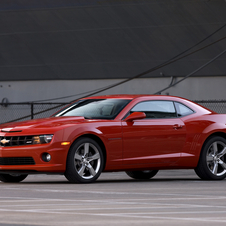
{"type": "Point", "coordinates": [46, 157]}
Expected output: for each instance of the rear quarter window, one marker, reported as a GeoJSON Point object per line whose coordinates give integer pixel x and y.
{"type": "Point", "coordinates": [183, 110]}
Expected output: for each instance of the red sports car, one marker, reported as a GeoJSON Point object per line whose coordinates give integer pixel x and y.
{"type": "Point", "coordinates": [139, 134]}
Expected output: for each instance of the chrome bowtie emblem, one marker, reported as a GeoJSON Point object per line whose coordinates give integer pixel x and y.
{"type": "Point", "coordinates": [4, 141]}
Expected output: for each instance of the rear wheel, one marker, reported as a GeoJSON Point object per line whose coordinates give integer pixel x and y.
{"type": "Point", "coordinates": [212, 162]}
{"type": "Point", "coordinates": [12, 178]}
{"type": "Point", "coordinates": [142, 175]}
{"type": "Point", "coordinates": [84, 162]}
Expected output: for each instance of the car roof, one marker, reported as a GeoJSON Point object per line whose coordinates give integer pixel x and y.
{"type": "Point", "coordinates": [122, 96]}
{"type": "Point", "coordinates": [134, 96]}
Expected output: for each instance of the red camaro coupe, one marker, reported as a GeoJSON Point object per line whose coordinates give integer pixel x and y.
{"type": "Point", "coordinates": [139, 134]}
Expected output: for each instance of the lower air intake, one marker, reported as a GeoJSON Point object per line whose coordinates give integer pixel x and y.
{"type": "Point", "coordinates": [17, 161]}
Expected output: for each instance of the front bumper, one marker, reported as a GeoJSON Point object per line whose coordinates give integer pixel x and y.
{"type": "Point", "coordinates": [57, 164]}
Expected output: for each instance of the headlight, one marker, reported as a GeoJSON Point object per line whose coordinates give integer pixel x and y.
{"type": "Point", "coordinates": [42, 139]}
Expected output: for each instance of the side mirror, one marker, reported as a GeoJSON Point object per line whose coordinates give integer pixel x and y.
{"type": "Point", "coordinates": [134, 116]}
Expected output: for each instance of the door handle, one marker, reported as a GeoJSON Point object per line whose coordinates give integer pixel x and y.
{"type": "Point", "coordinates": [177, 126]}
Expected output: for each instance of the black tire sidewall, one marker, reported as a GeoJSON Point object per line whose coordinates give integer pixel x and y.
{"type": "Point", "coordinates": [142, 175]}
{"type": "Point", "coordinates": [206, 147]}
{"type": "Point", "coordinates": [8, 178]}
{"type": "Point", "coordinates": [71, 173]}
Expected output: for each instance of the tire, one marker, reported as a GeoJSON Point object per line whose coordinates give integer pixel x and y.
{"type": "Point", "coordinates": [85, 161]}
{"type": "Point", "coordinates": [12, 178]}
{"type": "Point", "coordinates": [142, 175]}
{"type": "Point", "coordinates": [212, 161]}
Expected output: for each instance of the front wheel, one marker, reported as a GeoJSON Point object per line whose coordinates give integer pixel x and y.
{"type": "Point", "coordinates": [212, 162]}
{"type": "Point", "coordinates": [142, 175]}
{"type": "Point", "coordinates": [12, 178]}
{"type": "Point", "coordinates": [84, 162]}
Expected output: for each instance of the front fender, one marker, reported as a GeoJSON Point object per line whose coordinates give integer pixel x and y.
{"type": "Point", "coordinates": [109, 133]}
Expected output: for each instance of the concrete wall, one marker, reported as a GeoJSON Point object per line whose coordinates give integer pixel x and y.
{"type": "Point", "coordinates": [194, 88]}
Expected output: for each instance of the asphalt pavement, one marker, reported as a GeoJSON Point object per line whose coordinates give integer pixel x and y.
{"type": "Point", "coordinates": [172, 197]}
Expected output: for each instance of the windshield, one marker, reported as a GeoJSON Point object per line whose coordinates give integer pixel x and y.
{"type": "Point", "coordinates": [95, 108]}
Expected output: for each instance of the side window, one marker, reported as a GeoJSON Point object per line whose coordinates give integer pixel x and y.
{"type": "Point", "coordinates": [183, 110]}
{"type": "Point", "coordinates": [156, 109]}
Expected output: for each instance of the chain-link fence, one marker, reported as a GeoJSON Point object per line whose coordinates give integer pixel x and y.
{"type": "Point", "coordinates": [218, 106]}
{"type": "Point", "coordinates": [24, 111]}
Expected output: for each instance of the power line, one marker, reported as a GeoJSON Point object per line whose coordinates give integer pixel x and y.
{"type": "Point", "coordinates": [187, 76]}
{"type": "Point", "coordinates": [192, 73]}
{"type": "Point", "coordinates": [172, 60]}
{"type": "Point", "coordinates": [59, 98]}
{"type": "Point", "coordinates": [153, 69]}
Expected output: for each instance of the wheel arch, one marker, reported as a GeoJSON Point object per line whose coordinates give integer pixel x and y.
{"type": "Point", "coordinates": [202, 169]}
{"type": "Point", "coordinates": [205, 140]}
{"type": "Point", "coordinates": [98, 140]}
{"type": "Point", "coordinates": [215, 134]}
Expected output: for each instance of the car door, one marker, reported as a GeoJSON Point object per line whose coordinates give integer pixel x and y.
{"type": "Point", "coordinates": [159, 138]}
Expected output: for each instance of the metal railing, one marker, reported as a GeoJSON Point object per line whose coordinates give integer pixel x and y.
{"type": "Point", "coordinates": [10, 112]}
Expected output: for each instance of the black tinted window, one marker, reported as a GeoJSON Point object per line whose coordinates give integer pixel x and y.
{"type": "Point", "coordinates": [156, 109]}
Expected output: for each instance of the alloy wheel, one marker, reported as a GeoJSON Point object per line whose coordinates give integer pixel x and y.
{"type": "Point", "coordinates": [87, 160]}
{"type": "Point", "coordinates": [215, 158]}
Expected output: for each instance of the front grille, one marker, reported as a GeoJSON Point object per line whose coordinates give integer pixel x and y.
{"type": "Point", "coordinates": [17, 161]}
{"type": "Point", "coordinates": [15, 141]}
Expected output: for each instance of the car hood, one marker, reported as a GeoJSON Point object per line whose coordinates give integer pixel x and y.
{"type": "Point", "coordinates": [44, 123]}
